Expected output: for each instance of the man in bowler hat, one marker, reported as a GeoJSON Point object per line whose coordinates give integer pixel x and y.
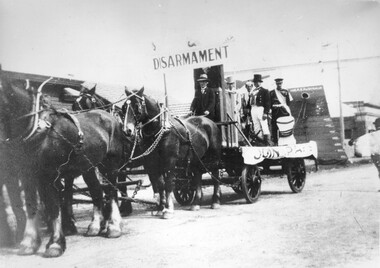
{"type": "Point", "coordinates": [258, 104]}
{"type": "Point", "coordinates": [204, 100]}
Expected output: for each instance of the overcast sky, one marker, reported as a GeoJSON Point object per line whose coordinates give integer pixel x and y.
{"type": "Point", "coordinates": [112, 41]}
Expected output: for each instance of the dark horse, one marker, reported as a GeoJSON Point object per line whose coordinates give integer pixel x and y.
{"type": "Point", "coordinates": [86, 101]}
{"type": "Point", "coordinates": [193, 144]}
{"type": "Point", "coordinates": [60, 146]}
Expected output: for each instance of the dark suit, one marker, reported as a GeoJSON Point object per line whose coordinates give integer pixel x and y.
{"type": "Point", "coordinates": [278, 110]}
{"type": "Point", "coordinates": [263, 99]}
{"type": "Point", "coordinates": [204, 102]}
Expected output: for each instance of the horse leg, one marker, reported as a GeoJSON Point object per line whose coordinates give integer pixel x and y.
{"type": "Point", "coordinates": [6, 239]}
{"type": "Point", "coordinates": [113, 217]}
{"type": "Point", "coordinates": [197, 179]}
{"type": "Point", "coordinates": [14, 192]}
{"type": "Point", "coordinates": [51, 198]}
{"type": "Point", "coordinates": [168, 212]}
{"type": "Point", "coordinates": [31, 240]}
{"type": "Point", "coordinates": [159, 191]}
{"type": "Point", "coordinates": [96, 193]}
{"type": "Point", "coordinates": [376, 161]}
{"type": "Point", "coordinates": [217, 191]}
{"type": "Point", "coordinates": [125, 205]}
{"type": "Point", "coordinates": [68, 220]}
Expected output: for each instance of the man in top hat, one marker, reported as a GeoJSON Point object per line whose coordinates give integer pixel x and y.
{"type": "Point", "coordinates": [280, 100]}
{"type": "Point", "coordinates": [257, 103]}
{"type": "Point", "coordinates": [204, 100]}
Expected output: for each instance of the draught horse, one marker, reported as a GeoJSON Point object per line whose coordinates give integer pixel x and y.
{"type": "Point", "coordinates": [88, 100]}
{"type": "Point", "coordinates": [368, 145]}
{"type": "Point", "coordinates": [60, 146]}
{"type": "Point", "coordinates": [193, 144]}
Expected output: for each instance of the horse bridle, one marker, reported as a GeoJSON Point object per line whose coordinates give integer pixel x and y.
{"type": "Point", "coordinates": [36, 111]}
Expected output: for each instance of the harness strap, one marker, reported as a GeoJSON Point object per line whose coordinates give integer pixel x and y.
{"type": "Point", "coordinates": [74, 119]}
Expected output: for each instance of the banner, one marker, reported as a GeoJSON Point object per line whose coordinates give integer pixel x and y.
{"type": "Point", "coordinates": [201, 57]}
{"type": "Point", "coordinates": [255, 155]}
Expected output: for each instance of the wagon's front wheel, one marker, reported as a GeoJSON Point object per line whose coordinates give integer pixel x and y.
{"type": "Point", "coordinates": [251, 183]}
{"type": "Point", "coordinates": [296, 172]}
{"type": "Point", "coordinates": [184, 193]}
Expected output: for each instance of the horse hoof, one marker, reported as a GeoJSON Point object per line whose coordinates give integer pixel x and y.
{"type": "Point", "coordinates": [53, 251]}
{"type": "Point", "coordinates": [26, 251]}
{"type": "Point", "coordinates": [92, 231]}
{"type": "Point", "coordinates": [113, 232]}
{"type": "Point", "coordinates": [72, 230]}
{"type": "Point", "coordinates": [168, 215]}
{"type": "Point", "coordinates": [125, 208]}
{"type": "Point", "coordinates": [215, 206]}
{"type": "Point", "coordinates": [195, 208]}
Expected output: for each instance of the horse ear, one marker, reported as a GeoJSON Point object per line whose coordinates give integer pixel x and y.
{"type": "Point", "coordinates": [92, 91]}
{"type": "Point", "coordinates": [126, 90]}
{"type": "Point", "coordinates": [141, 92]}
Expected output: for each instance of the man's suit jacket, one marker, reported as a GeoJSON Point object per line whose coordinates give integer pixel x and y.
{"type": "Point", "coordinates": [262, 99]}
{"type": "Point", "coordinates": [204, 102]}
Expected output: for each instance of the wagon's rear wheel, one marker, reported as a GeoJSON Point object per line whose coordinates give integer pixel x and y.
{"type": "Point", "coordinates": [296, 172]}
{"type": "Point", "coordinates": [251, 183]}
{"type": "Point", "coordinates": [184, 193]}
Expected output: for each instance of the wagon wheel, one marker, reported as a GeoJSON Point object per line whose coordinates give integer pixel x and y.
{"type": "Point", "coordinates": [184, 193]}
{"type": "Point", "coordinates": [296, 172]}
{"type": "Point", "coordinates": [236, 186]}
{"type": "Point", "coordinates": [251, 183]}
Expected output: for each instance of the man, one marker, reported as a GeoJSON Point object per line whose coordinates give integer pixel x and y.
{"type": "Point", "coordinates": [280, 99]}
{"type": "Point", "coordinates": [245, 111]}
{"type": "Point", "coordinates": [377, 123]}
{"type": "Point", "coordinates": [257, 101]}
{"type": "Point", "coordinates": [233, 106]}
{"type": "Point", "coordinates": [204, 100]}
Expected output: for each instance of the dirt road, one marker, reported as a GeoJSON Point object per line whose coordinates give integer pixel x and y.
{"type": "Point", "coordinates": [333, 222]}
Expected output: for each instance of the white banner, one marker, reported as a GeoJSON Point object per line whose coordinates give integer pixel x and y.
{"type": "Point", "coordinates": [255, 155]}
{"type": "Point", "coordinates": [200, 57]}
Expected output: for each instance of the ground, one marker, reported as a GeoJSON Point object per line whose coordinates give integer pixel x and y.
{"type": "Point", "coordinates": [333, 222]}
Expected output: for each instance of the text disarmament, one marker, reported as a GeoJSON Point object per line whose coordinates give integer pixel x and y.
{"type": "Point", "coordinates": [191, 58]}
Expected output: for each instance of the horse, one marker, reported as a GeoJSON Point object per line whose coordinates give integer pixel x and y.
{"type": "Point", "coordinates": [368, 145]}
{"type": "Point", "coordinates": [13, 224]}
{"type": "Point", "coordinates": [60, 145]}
{"type": "Point", "coordinates": [88, 101]}
{"type": "Point", "coordinates": [193, 144]}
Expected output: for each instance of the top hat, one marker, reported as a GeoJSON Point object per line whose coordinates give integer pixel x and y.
{"type": "Point", "coordinates": [230, 80]}
{"type": "Point", "coordinates": [203, 77]}
{"type": "Point", "coordinates": [257, 78]}
{"type": "Point", "coordinates": [278, 79]}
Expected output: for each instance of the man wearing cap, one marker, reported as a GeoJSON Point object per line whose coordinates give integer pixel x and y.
{"type": "Point", "coordinates": [204, 100]}
{"type": "Point", "coordinates": [280, 99]}
{"type": "Point", "coordinates": [257, 102]}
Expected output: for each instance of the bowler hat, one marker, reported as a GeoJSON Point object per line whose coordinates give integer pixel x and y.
{"type": "Point", "coordinates": [88, 85]}
{"type": "Point", "coordinates": [278, 79]}
{"type": "Point", "coordinates": [230, 80]}
{"type": "Point", "coordinates": [257, 78]}
{"type": "Point", "coordinates": [203, 77]}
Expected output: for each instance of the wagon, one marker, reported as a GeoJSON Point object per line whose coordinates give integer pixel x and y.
{"type": "Point", "coordinates": [243, 167]}
{"type": "Point", "coordinates": [244, 164]}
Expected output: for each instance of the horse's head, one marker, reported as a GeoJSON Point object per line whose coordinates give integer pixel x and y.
{"type": "Point", "coordinates": [138, 104]}
{"type": "Point", "coordinates": [85, 101]}
{"type": "Point", "coordinates": [16, 100]}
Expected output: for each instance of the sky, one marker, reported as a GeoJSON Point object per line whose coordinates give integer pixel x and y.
{"type": "Point", "coordinates": [113, 41]}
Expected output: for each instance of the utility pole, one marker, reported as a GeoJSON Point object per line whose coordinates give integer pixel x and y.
{"type": "Point", "coordinates": [340, 98]}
